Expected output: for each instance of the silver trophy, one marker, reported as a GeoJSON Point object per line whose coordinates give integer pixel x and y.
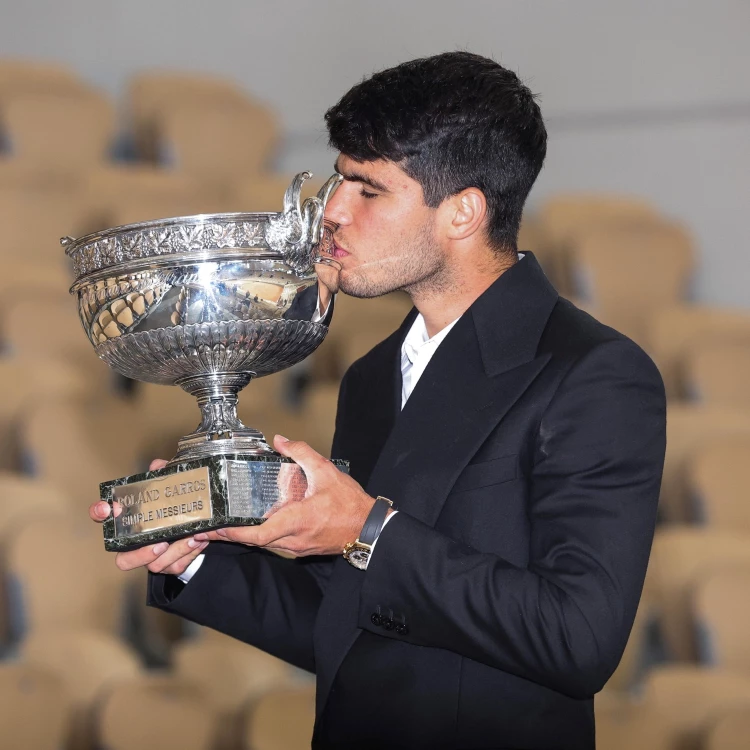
{"type": "Point", "coordinates": [208, 303]}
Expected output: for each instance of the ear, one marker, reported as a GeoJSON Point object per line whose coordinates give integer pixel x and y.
{"type": "Point", "coordinates": [465, 213]}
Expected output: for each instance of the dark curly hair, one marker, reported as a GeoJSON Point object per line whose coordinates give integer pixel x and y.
{"type": "Point", "coordinates": [450, 121]}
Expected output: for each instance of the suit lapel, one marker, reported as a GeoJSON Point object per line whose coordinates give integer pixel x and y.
{"type": "Point", "coordinates": [451, 412]}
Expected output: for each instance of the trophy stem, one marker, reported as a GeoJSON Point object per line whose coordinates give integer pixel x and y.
{"type": "Point", "coordinates": [221, 431]}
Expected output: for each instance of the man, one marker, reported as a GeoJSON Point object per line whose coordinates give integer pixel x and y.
{"type": "Point", "coordinates": [520, 442]}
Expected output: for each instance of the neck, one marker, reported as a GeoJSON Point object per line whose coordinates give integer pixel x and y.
{"type": "Point", "coordinates": [442, 303]}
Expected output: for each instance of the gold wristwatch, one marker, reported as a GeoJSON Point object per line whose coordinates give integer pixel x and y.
{"type": "Point", "coordinates": [358, 553]}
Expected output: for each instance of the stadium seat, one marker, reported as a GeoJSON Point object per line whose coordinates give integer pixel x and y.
{"type": "Point", "coordinates": [691, 429]}
{"type": "Point", "coordinates": [674, 331]}
{"type": "Point", "coordinates": [626, 272]}
{"type": "Point", "coordinates": [719, 482]}
{"type": "Point", "coordinates": [155, 712]}
{"type": "Point", "coordinates": [681, 557]}
{"type": "Point", "coordinates": [721, 605]}
{"type": "Point", "coordinates": [281, 720]}
{"type": "Point", "coordinates": [86, 663]}
{"type": "Point", "coordinates": [717, 372]}
{"type": "Point", "coordinates": [33, 709]}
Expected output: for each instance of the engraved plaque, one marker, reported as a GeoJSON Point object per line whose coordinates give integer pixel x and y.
{"type": "Point", "coordinates": [256, 487]}
{"type": "Point", "coordinates": [163, 502]}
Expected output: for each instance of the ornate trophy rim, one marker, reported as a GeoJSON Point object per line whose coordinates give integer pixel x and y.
{"type": "Point", "coordinates": [286, 234]}
{"type": "Point", "coordinates": [74, 245]}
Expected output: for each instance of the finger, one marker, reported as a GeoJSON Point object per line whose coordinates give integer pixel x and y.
{"type": "Point", "coordinates": [99, 511]}
{"type": "Point", "coordinates": [157, 463]}
{"type": "Point", "coordinates": [137, 558]}
{"type": "Point", "coordinates": [277, 527]}
{"type": "Point", "coordinates": [185, 550]}
{"type": "Point", "coordinates": [301, 453]}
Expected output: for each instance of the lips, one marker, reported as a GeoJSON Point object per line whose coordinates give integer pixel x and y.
{"type": "Point", "coordinates": [338, 251]}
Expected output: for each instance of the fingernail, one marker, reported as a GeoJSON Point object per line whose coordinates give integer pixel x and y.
{"type": "Point", "coordinates": [221, 532]}
{"type": "Point", "coordinates": [103, 509]}
{"type": "Point", "coordinates": [161, 548]}
{"type": "Point", "coordinates": [201, 537]}
{"type": "Point", "coordinates": [283, 439]}
{"type": "Point", "coordinates": [192, 543]}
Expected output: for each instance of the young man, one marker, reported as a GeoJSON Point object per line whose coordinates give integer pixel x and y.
{"type": "Point", "coordinates": [520, 442]}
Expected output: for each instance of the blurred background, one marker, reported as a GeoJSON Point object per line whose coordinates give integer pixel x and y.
{"type": "Point", "coordinates": [118, 112]}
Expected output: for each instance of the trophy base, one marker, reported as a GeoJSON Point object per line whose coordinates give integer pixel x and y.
{"type": "Point", "coordinates": [188, 497]}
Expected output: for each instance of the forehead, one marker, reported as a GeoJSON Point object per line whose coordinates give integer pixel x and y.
{"type": "Point", "coordinates": [379, 173]}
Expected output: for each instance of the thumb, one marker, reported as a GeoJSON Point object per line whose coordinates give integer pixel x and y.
{"type": "Point", "coordinates": [301, 453]}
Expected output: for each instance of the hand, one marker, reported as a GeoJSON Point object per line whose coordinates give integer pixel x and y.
{"type": "Point", "coordinates": [331, 515]}
{"type": "Point", "coordinates": [158, 558]}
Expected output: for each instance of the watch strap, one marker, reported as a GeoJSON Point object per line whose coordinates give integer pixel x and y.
{"type": "Point", "coordinates": [375, 520]}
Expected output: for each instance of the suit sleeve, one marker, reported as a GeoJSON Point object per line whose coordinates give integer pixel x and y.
{"type": "Point", "coordinates": [252, 595]}
{"type": "Point", "coordinates": [563, 621]}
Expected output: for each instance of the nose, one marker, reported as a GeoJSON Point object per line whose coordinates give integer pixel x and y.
{"type": "Point", "coordinates": [337, 208]}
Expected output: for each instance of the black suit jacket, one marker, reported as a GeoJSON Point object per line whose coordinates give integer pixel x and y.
{"type": "Point", "coordinates": [525, 467]}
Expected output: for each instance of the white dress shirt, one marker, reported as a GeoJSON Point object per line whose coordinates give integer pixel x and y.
{"type": "Point", "coordinates": [416, 353]}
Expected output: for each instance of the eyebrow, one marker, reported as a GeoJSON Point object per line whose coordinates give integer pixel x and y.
{"type": "Point", "coordinates": [353, 176]}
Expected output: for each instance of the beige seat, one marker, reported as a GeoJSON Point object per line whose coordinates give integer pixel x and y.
{"type": "Point", "coordinates": [719, 482]}
{"type": "Point", "coordinates": [34, 217]}
{"type": "Point", "coordinates": [628, 670]}
{"type": "Point", "coordinates": [87, 663]}
{"type": "Point", "coordinates": [220, 144]}
{"type": "Point", "coordinates": [564, 216]}
{"type": "Point", "coordinates": [151, 93]}
{"type": "Point", "coordinates": [155, 712]}
{"type": "Point", "coordinates": [623, 723]}
{"type": "Point", "coordinates": [46, 337]}
{"type": "Point", "coordinates": [721, 603]}
{"type": "Point", "coordinates": [60, 131]}
{"type": "Point", "coordinates": [624, 273]}
{"type": "Point", "coordinates": [681, 557]}
{"type": "Point", "coordinates": [231, 674]}
{"type": "Point", "coordinates": [18, 391]}
{"type": "Point", "coordinates": [63, 575]}
{"type": "Point", "coordinates": [675, 331]}
{"type": "Point", "coordinates": [265, 191]}
{"type": "Point", "coordinates": [717, 372]}
{"type": "Point", "coordinates": [77, 445]}
{"type": "Point", "coordinates": [281, 720]}
{"type": "Point", "coordinates": [19, 74]}
{"type": "Point", "coordinates": [690, 429]}
{"type": "Point", "coordinates": [126, 194]}
{"type": "Point", "coordinates": [23, 499]}
{"type": "Point", "coordinates": [690, 700]}
{"type": "Point", "coordinates": [730, 732]}
{"type": "Point", "coordinates": [33, 709]}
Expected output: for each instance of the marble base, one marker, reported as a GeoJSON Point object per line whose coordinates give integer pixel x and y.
{"type": "Point", "coordinates": [200, 495]}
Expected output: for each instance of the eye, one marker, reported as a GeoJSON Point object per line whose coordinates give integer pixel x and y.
{"type": "Point", "coordinates": [367, 195]}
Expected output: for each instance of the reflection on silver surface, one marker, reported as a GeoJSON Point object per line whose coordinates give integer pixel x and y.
{"type": "Point", "coordinates": [206, 302]}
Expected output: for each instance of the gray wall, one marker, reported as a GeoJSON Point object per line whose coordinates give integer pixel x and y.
{"type": "Point", "coordinates": [649, 97]}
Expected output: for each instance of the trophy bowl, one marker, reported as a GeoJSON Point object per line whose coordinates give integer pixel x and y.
{"type": "Point", "coordinates": [207, 303]}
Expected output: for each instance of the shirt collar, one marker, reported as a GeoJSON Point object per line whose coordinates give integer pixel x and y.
{"type": "Point", "coordinates": [418, 339]}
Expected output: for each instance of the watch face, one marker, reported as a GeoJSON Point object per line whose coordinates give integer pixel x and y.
{"type": "Point", "coordinates": [358, 555]}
